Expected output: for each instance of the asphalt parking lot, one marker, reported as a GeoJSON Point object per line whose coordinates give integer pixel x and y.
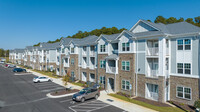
{"type": "Point", "coordinates": [19, 94]}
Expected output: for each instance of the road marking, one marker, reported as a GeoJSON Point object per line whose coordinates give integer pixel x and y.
{"type": "Point", "coordinates": [87, 107]}
{"type": "Point", "coordinates": [49, 90]}
{"type": "Point", "coordinates": [48, 87]}
{"type": "Point", "coordinates": [65, 100]}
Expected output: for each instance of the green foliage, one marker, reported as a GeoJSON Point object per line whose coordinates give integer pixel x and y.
{"type": "Point", "coordinates": [4, 53]}
{"type": "Point", "coordinates": [160, 19]}
{"type": "Point", "coordinates": [197, 104]}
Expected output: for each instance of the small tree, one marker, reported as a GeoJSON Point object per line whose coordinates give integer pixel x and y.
{"type": "Point", "coordinates": [66, 78]}
{"type": "Point", "coordinates": [197, 104]}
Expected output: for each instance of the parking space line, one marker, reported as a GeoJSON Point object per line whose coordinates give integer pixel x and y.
{"type": "Point", "coordinates": [65, 100]}
{"type": "Point", "coordinates": [89, 106]}
{"type": "Point", "coordinates": [43, 87]}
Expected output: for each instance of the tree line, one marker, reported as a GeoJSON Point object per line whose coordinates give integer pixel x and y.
{"type": "Point", "coordinates": [4, 53]}
{"type": "Point", "coordinates": [97, 32]}
{"type": "Point", "coordinates": [160, 19]}
{"type": "Point", "coordinates": [114, 30]}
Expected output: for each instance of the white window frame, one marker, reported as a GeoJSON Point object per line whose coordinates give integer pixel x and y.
{"type": "Point", "coordinates": [184, 69]}
{"type": "Point", "coordinates": [104, 64]}
{"type": "Point", "coordinates": [72, 61]}
{"type": "Point", "coordinates": [103, 49]}
{"type": "Point", "coordinates": [126, 47]}
{"type": "Point", "coordinates": [125, 65]}
{"type": "Point", "coordinates": [72, 50]}
{"type": "Point", "coordinates": [184, 93]}
{"type": "Point", "coordinates": [125, 85]}
{"type": "Point", "coordinates": [183, 39]}
{"type": "Point", "coordinates": [102, 81]}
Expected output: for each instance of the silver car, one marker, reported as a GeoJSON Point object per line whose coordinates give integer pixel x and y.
{"type": "Point", "coordinates": [86, 93]}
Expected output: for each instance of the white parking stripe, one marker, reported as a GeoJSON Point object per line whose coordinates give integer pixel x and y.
{"type": "Point", "coordinates": [65, 100]}
{"type": "Point", "coordinates": [89, 106]}
{"type": "Point", "coordinates": [45, 87]}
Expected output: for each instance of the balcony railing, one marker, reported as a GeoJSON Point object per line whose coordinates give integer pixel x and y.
{"type": "Point", "coordinates": [92, 66]}
{"type": "Point", "coordinates": [92, 53]}
{"type": "Point", "coordinates": [66, 64]}
{"type": "Point", "coordinates": [153, 96]}
{"type": "Point", "coordinates": [84, 53]}
{"type": "Point", "coordinates": [115, 51]}
{"type": "Point", "coordinates": [153, 73]}
{"type": "Point", "coordinates": [152, 51]}
{"type": "Point", "coordinates": [111, 69]}
{"type": "Point", "coordinates": [167, 51]}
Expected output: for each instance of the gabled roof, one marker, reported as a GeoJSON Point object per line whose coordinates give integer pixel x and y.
{"type": "Point", "coordinates": [109, 38]}
{"type": "Point", "coordinates": [89, 40]}
{"type": "Point", "coordinates": [169, 29]}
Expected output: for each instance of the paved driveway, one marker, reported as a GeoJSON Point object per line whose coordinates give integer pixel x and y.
{"type": "Point", "coordinates": [19, 94]}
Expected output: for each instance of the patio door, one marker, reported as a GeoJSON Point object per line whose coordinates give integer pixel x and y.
{"type": "Point", "coordinates": [152, 91]}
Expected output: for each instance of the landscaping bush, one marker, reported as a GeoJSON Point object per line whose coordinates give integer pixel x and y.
{"type": "Point", "coordinates": [197, 104]}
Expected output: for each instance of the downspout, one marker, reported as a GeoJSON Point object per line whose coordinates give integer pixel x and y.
{"type": "Point", "coordinates": [136, 67]}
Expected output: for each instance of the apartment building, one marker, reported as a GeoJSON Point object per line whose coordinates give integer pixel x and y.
{"type": "Point", "coordinates": [151, 60]}
{"type": "Point", "coordinates": [16, 56]}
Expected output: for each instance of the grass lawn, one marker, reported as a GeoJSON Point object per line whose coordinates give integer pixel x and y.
{"type": "Point", "coordinates": [78, 84]}
{"type": "Point", "coordinates": [157, 108]}
{"type": "Point", "coordinates": [50, 74]}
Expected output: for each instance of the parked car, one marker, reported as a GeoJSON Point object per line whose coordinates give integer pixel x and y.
{"type": "Point", "coordinates": [19, 70]}
{"type": "Point", "coordinates": [2, 62]}
{"type": "Point", "coordinates": [86, 93]}
{"type": "Point", "coordinates": [11, 66]}
{"type": "Point", "coordinates": [6, 65]}
{"type": "Point", "coordinates": [41, 79]}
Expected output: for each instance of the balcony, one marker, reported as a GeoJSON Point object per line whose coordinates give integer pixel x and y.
{"type": "Point", "coordinates": [92, 53]}
{"type": "Point", "coordinates": [111, 70]}
{"type": "Point", "coordinates": [115, 51]}
{"type": "Point", "coordinates": [152, 51]}
{"type": "Point", "coordinates": [92, 66]}
{"type": "Point", "coordinates": [152, 73]}
{"type": "Point", "coordinates": [84, 53]}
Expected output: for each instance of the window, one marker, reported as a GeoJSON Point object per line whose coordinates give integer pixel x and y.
{"type": "Point", "coordinates": [187, 68]}
{"type": "Point", "coordinates": [125, 84]}
{"type": "Point", "coordinates": [180, 67]}
{"type": "Point", "coordinates": [184, 68]}
{"type": "Point", "coordinates": [72, 61]}
{"type": "Point", "coordinates": [63, 50]}
{"type": "Point", "coordinates": [102, 80]}
{"type": "Point", "coordinates": [180, 44]}
{"type": "Point", "coordinates": [126, 65]}
{"type": "Point", "coordinates": [184, 44]}
{"type": "Point", "coordinates": [102, 48]}
{"type": "Point", "coordinates": [187, 44]}
{"type": "Point", "coordinates": [125, 46]}
{"type": "Point", "coordinates": [102, 64]}
{"type": "Point", "coordinates": [72, 50]}
{"type": "Point", "coordinates": [72, 73]}
{"type": "Point", "coordinates": [183, 92]}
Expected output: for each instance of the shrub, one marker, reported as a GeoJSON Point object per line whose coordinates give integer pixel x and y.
{"type": "Point", "coordinates": [197, 104]}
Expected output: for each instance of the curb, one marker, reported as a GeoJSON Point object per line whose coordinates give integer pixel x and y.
{"type": "Point", "coordinates": [60, 96]}
{"type": "Point", "coordinates": [22, 73]}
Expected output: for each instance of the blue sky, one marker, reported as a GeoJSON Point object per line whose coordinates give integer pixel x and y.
{"type": "Point", "coordinates": [27, 22]}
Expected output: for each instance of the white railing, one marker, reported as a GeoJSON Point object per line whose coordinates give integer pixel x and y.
{"type": "Point", "coordinates": [66, 64]}
{"type": "Point", "coordinates": [111, 69]}
{"type": "Point", "coordinates": [92, 53]}
{"type": "Point", "coordinates": [153, 73]}
{"type": "Point", "coordinates": [153, 96]}
{"type": "Point", "coordinates": [167, 51]}
{"type": "Point", "coordinates": [91, 66]}
{"type": "Point", "coordinates": [84, 53]}
{"type": "Point", "coordinates": [115, 51]}
{"type": "Point", "coordinates": [152, 51]}
{"type": "Point", "coordinates": [84, 65]}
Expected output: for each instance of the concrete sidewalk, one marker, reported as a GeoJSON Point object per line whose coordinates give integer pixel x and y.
{"type": "Point", "coordinates": [127, 106]}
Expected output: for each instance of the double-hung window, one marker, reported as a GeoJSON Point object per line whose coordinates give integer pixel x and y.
{"type": "Point", "coordinates": [102, 80]}
{"type": "Point", "coordinates": [184, 68]}
{"type": "Point", "coordinates": [72, 50]}
{"type": "Point", "coordinates": [102, 48]}
{"type": "Point", "coordinates": [126, 65]}
{"type": "Point", "coordinates": [102, 64]}
{"type": "Point", "coordinates": [125, 85]}
{"type": "Point", "coordinates": [184, 44]}
{"type": "Point", "coordinates": [72, 73]}
{"type": "Point", "coordinates": [72, 61]}
{"type": "Point", "coordinates": [126, 46]}
{"type": "Point", "coordinates": [183, 92]}
{"type": "Point", "coordinates": [63, 50]}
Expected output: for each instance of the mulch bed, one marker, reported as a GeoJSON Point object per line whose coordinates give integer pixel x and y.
{"type": "Point", "coordinates": [155, 103]}
{"type": "Point", "coordinates": [184, 107]}
{"type": "Point", "coordinates": [123, 94]}
{"type": "Point", "coordinates": [63, 92]}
